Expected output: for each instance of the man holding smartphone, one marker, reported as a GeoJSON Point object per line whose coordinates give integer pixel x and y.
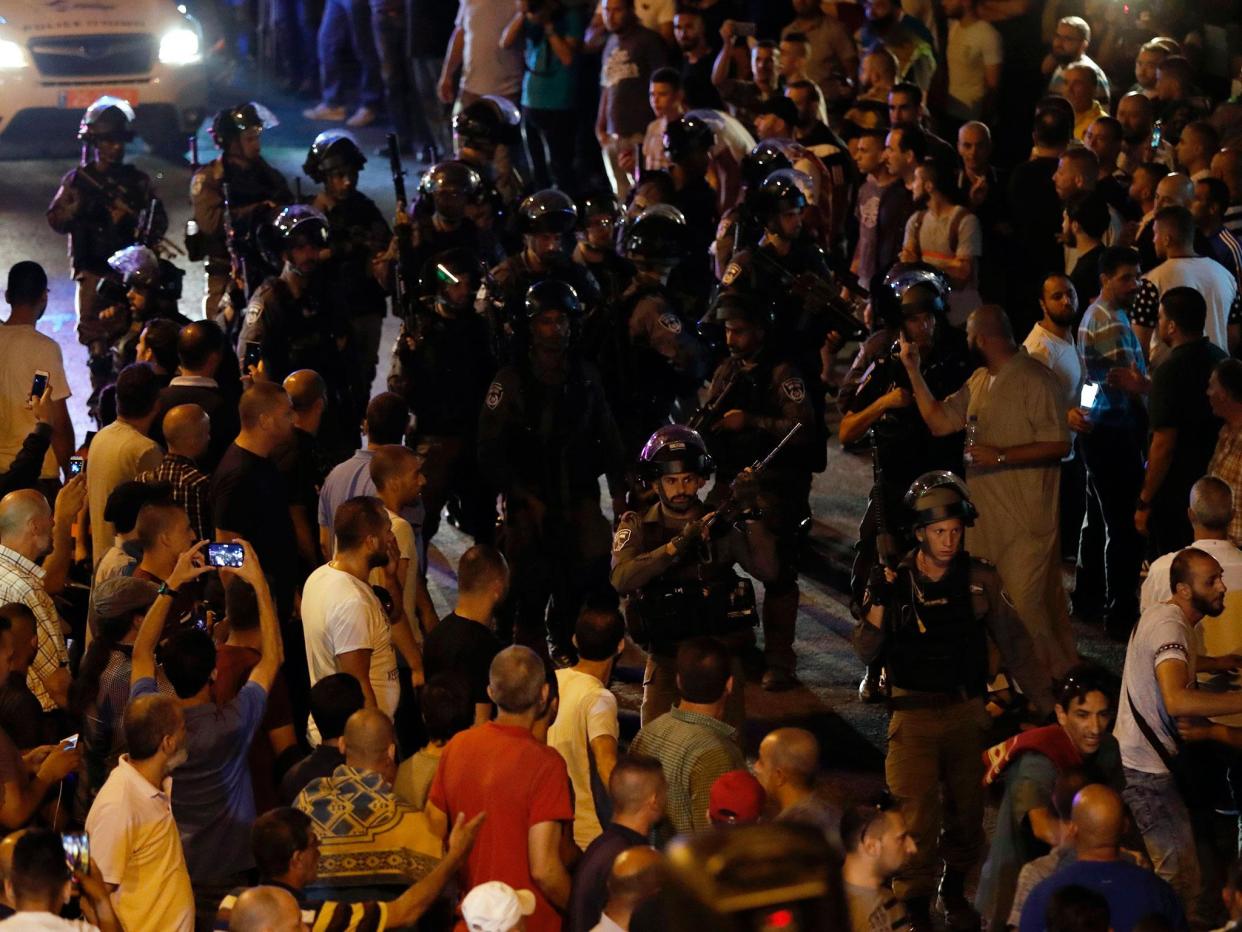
{"type": "Point", "coordinates": [23, 351]}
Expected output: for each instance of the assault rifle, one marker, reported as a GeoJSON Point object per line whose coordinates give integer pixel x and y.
{"type": "Point", "coordinates": [728, 509]}
{"type": "Point", "coordinates": [705, 416]}
{"type": "Point", "coordinates": [400, 291]}
{"type": "Point", "coordinates": [239, 282]}
{"type": "Point", "coordinates": [821, 295]}
{"type": "Point", "coordinates": [886, 551]}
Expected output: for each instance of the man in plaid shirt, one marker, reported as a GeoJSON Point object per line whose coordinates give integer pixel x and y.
{"type": "Point", "coordinates": [1110, 440]}
{"type": "Point", "coordinates": [187, 432]}
{"type": "Point", "coordinates": [27, 534]}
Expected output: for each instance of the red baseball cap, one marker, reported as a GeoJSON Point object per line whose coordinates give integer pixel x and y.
{"type": "Point", "coordinates": [736, 799]}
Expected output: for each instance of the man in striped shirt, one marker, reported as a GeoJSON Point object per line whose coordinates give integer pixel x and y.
{"type": "Point", "coordinates": [1227, 166]}
{"type": "Point", "coordinates": [1111, 443]}
{"type": "Point", "coordinates": [187, 432]}
{"type": "Point", "coordinates": [692, 742]}
{"type": "Point", "coordinates": [1209, 208]}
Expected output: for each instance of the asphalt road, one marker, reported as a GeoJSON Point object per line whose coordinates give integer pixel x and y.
{"type": "Point", "coordinates": [851, 734]}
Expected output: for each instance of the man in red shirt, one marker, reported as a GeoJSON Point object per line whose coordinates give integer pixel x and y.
{"type": "Point", "coordinates": [523, 786]}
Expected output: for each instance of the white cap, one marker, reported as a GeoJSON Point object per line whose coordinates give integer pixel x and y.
{"type": "Point", "coordinates": [496, 907]}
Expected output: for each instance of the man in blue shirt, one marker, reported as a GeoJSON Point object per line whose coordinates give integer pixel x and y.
{"type": "Point", "coordinates": [1132, 893]}
{"type": "Point", "coordinates": [214, 805]}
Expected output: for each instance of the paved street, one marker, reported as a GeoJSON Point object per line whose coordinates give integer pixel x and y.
{"type": "Point", "coordinates": [852, 734]}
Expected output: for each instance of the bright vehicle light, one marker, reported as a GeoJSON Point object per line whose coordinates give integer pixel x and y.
{"type": "Point", "coordinates": [11, 55]}
{"type": "Point", "coordinates": [180, 46]}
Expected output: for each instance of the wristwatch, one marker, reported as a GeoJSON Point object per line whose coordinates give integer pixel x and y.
{"type": "Point", "coordinates": [167, 590]}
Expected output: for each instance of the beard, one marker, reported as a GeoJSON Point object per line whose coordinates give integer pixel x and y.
{"type": "Point", "coordinates": [1210, 607]}
{"type": "Point", "coordinates": [377, 559]}
{"type": "Point", "coordinates": [883, 23]}
{"type": "Point", "coordinates": [1063, 59]}
{"type": "Point", "coordinates": [921, 202]}
{"type": "Point", "coordinates": [1133, 139]}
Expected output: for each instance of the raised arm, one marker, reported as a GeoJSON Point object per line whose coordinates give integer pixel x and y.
{"type": "Point", "coordinates": [190, 566]}
{"type": "Point", "coordinates": [939, 418]}
{"type": "Point", "coordinates": [271, 646]}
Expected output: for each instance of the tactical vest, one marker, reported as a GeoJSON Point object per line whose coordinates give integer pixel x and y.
{"type": "Point", "coordinates": [936, 640]}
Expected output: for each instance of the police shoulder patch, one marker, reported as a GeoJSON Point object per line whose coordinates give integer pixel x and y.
{"type": "Point", "coordinates": [621, 538]}
{"type": "Point", "coordinates": [731, 273]}
{"type": "Point", "coordinates": [495, 394]}
{"type": "Point", "coordinates": [794, 389]}
{"type": "Point", "coordinates": [253, 313]}
{"type": "Point", "coordinates": [670, 322]}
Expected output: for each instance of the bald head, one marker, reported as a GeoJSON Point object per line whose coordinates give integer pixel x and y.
{"type": "Point", "coordinates": [1098, 817]}
{"type": "Point", "coordinates": [369, 738]}
{"type": "Point", "coordinates": [516, 679]}
{"type": "Point", "coordinates": [635, 875]}
{"type": "Point", "coordinates": [306, 388]}
{"type": "Point", "coordinates": [26, 523]}
{"type": "Point", "coordinates": [793, 751]}
{"type": "Point", "coordinates": [266, 909]}
{"type": "Point", "coordinates": [187, 428]}
{"type": "Point", "coordinates": [1174, 190]}
{"type": "Point", "coordinates": [1227, 166]}
{"type": "Point", "coordinates": [1211, 504]}
{"type": "Point", "coordinates": [990, 322]}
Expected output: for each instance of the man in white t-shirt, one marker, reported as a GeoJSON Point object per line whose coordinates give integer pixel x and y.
{"type": "Point", "coordinates": [346, 627]}
{"type": "Point", "coordinates": [397, 472]}
{"type": "Point", "coordinates": [23, 352]}
{"type": "Point", "coordinates": [1174, 239]}
{"type": "Point", "coordinates": [585, 731]}
{"type": "Point", "coordinates": [1158, 687]}
{"type": "Point", "coordinates": [974, 57]}
{"type": "Point", "coordinates": [1051, 340]}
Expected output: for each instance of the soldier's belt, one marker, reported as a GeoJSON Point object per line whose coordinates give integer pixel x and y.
{"type": "Point", "coordinates": [907, 700]}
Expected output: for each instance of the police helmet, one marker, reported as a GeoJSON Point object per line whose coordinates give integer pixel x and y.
{"type": "Point", "coordinates": [598, 204]}
{"type": "Point", "coordinates": [687, 135]}
{"type": "Point", "coordinates": [938, 496]}
{"type": "Point", "coordinates": [450, 267]}
{"type": "Point", "coordinates": [779, 192]}
{"type": "Point", "coordinates": [761, 161]}
{"type": "Point", "coordinates": [738, 305]}
{"type": "Point", "coordinates": [231, 122]}
{"type": "Point", "coordinates": [487, 122]}
{"type": "Point", "coordinates": [552, 294]}
{"type": "Point", "coordinates": [547, 211]}
{"type": "Point", "coordinates": [908, 289]}
{"type": "Point", "coordinates": [658, 234]}
{"type": "Point", "coordinates": [672, 449]}
{"type": "Point", "coordinates": [333, 150]}
{"type": "Point", "coordinates": [138, 266]}
{"type": "Point", "coordinates": [450, 177]}
{"type": "Point", "coordinates": [107, 118]}
{"type": "Point", "coordinates": [300, 225]}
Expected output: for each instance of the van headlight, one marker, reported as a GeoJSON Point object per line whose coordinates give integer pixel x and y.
{"type": "Point", "coordinates": [180, 46]}
{"type": "Point", "coordinates": [11, 55]}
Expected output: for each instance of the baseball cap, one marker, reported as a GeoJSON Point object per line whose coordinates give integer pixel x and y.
{"type": "Point", "coordinates": [122, 595]}
{"type": "Point", "coordinates": [736, 797]}
{"type": "Point", "coordinates": [496, 907]}
{"type": "Point", "coordinates": [780, 106]}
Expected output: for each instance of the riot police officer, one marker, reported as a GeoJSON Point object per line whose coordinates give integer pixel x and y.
{"type": "Point", "coordinates": [442, 366]}
{"type": "Point", "coordinates": [875, 402]}
{"type": "Point", "coordinates": [486, 133]}
{"type": "Point", "coordinates": [654, 355]}
{"type": "Point", "coordinates": [930, 621]}
{"type": "Point", "coordinates": [739, 226]}
{"type": "Point", "coordinates": [103, 205]}
{"type": "Point", "coordinates": [545, 219]}
{"type": "Point", "coordinates": [149, 288]}
{"type": "Point", "coordinates": [762, 396]}
{"type": "Point", "coordinates": [677, 573]}
{"type": "Point", "coordinates": [256, 191]}
{"type": "Point", "coordinates": [359, 237]}
{"type": "Point", "coordinates": [439, 221]}
{"type": "Point", "coordinates": [599, 218]}
{"type": "Point", "coordinates": [297, 320]}
{"type": "Point", "coordinates": [545, 436]}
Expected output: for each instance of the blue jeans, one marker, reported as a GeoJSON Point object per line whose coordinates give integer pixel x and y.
{"type": "Point", "coordinates": [346, 31]}
{"type": "Point", "coordinates": [1161, 816]}
{"type": "Point", "coordinates": [294, 35]}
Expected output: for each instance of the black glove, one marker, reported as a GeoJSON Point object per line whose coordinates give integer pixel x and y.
{"type": "Point", "coordinates": [745, 489]}
{"type": "Point", "coordinates": [690, 535]}
{"type": "Point", "coordinates": [879, 589]}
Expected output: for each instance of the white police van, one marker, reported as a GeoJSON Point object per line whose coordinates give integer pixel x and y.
{"type": "Point", "coordinates": [58, 56]}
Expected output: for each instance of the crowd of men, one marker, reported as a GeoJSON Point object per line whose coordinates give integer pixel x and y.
{"type": "Point", "coordinates": [991, 243]}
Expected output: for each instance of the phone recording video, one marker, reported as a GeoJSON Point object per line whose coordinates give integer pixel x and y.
{"type": "Point", "coordinates": [71, 742]}
{"type": "Point", "coordinates": [76, 465]}
{"type": "Point", "coordinates": [77, 847]}
{"type": "Point", "coordinates": [254, 353]}
{"type": "Point", "coordinates": [1086, 398]}
{"type": "Point", "coordinates": [227, 555]}
{"type": "Point", "coordinates": [39, 385]}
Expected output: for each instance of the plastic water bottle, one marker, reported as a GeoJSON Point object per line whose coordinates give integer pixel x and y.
{"type": "Point", "coordinates": [972, 437]}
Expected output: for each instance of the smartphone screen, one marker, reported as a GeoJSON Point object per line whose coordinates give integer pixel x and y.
{"type": "Point", "coordinates": [39, 386]}
{"type": "Point", "coordinates": [76, 465]}
{"type": "Point", "coordinates": [77, 847]}
{"type": "Point", "coordinates": [228, 555]}
{"type": "Point", "coordinates": [71, 742]}
{"type": "Point", "coordinates": [1088, 395]}
{"type": "Point", "coordinates": [254, 352]}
